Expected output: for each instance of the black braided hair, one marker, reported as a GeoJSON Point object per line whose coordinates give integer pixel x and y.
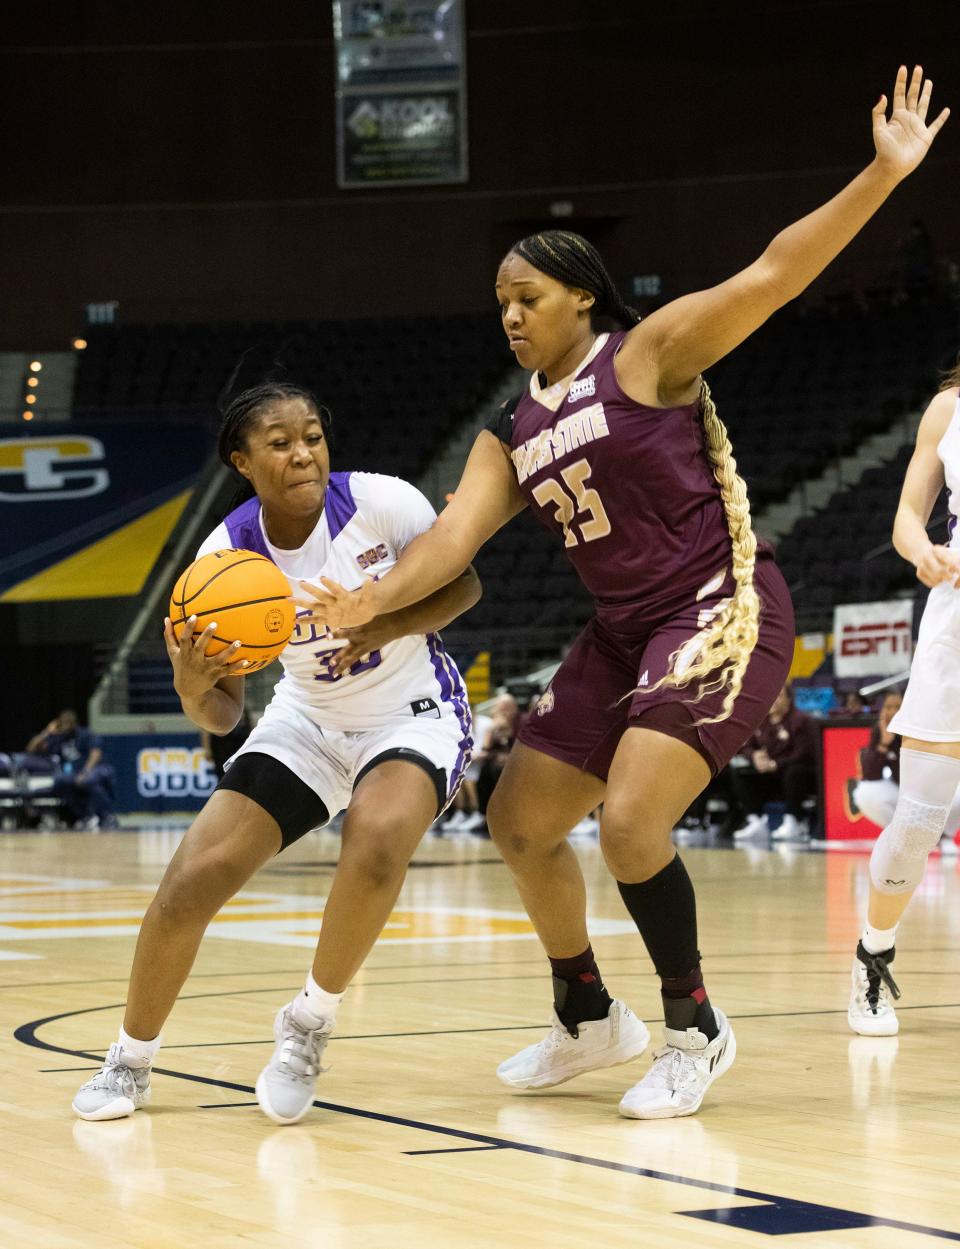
{"type": "Point", "coordinates": [573, 260]}
{"type": "Point", "coordinates": [240, 412]}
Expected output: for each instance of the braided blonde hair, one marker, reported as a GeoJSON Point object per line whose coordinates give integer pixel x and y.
{"type": "Point", "coordinates": [728, 639]}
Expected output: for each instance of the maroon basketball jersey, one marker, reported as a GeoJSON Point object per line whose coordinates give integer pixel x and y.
{"type": "Point", "coordinates": [627, 488]}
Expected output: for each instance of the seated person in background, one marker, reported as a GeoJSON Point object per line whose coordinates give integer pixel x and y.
{"type": "Point", "coordinates": [82, 780]}
{"type": "Point", "coordinates": [853, 705]}
{"type": "Point", "coordinates": [782, 767]}
{"type": "Point", "coordinates": [875, 793]}
{"type": "Point", "coordinates": [497, 744]}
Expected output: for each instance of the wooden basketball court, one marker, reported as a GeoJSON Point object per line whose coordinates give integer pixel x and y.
{"type": "Point", "coordinates": [815, 1137]}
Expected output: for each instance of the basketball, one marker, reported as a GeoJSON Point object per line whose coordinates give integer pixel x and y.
{"type": "Point", "coordinates": [248, 597]}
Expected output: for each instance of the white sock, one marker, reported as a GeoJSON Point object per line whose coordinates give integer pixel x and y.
{"type": "Point", "coordinates": [314, 1006]}
{"type": "Point", "coordinates": [146, 1051]}
{"type": "Point", "coordinates": [878, 940]}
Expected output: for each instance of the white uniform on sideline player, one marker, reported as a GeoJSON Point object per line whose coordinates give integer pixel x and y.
{"type": "Point", "coordinates": [374, 720]}
{"type": "Point", "coordinates": [928, 720]}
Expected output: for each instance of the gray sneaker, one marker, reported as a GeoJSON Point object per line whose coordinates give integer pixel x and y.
{"type": "Point", "coordinates": [285, 1085]}
{"type": "Point", "coordinates": [121, 1086]}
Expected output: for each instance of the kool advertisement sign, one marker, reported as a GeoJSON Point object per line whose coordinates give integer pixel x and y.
{"type": "Point", "coordinates": [872, 639]}
{"type": "Point", "coordinates": [401, 92]}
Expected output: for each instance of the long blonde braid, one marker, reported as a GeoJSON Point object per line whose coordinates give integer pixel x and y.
{"type": "Point", "coordinates": [730, 636]}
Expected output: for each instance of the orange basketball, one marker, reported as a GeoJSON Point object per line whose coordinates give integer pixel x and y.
{"type": "Point", "coordinates": [248, 597]}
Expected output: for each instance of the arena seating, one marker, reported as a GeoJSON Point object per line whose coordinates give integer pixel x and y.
{"type": "Point", "coordinates": [808, 387]}
{"type": "Point", "coordinates": [396, 387]}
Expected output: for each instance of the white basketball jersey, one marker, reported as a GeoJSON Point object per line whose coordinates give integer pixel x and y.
{"type": "Point", "coordinates": [948, 450]}
{"type": "Point", "coordinates": [367, 520]}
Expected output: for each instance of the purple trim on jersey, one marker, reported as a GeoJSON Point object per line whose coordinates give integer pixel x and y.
{"type": "Point", "coordinates": [243, 526]}
{"type": "Point", "coordinates": [339, 504]}
{"type": "Point", "coordinates": [246, 533]}
{"type": "Point", "coordinates": [452, 692]}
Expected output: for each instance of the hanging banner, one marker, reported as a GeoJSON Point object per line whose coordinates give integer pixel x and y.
{"type": "Point", "coordinates": [872, 639]}
{"type": "Point", "coordinates": [401, 92]}
{"type": "Point", "coordinates": [86, 508]}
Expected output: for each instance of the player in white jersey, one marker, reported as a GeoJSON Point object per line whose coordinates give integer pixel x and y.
{"type": "Point", "coordinates": [928, 720]}
{"type": "Point", "coordinates": [374, 720]}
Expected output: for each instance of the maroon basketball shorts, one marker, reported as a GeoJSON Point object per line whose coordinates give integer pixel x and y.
{"type": "Point", "coordinates": [590, 701]}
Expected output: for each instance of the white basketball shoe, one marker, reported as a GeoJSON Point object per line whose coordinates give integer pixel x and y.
{"type": "Point", "coordinates": [682, 1071]}
{"type": "Point", "coordinates": [286, 1085]}
{"type": "Point", "coordinates": [871, 1012]}
{"type": "Point", "coordinates": [560, 1056]}
{"type": "Point", "coordinates": [121, 1086]}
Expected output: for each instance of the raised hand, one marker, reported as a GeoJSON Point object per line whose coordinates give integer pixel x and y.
{"type": "Point", "coordinates": [337, 608]}
{"type": "Point", "coordinates": [903, 140]}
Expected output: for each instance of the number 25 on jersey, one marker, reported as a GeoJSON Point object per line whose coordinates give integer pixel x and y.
{"type": "Point", "coordinates": [585, 503]}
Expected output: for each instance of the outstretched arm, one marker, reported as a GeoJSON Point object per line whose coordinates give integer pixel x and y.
{"type": "Point", "coordinates": [662, 357]}
{"type": "Point", "coordinates": [921, 485]}
{"type": "Point", "coordinates": [487, 497]}
{"type": "Point", "coordinates": [434, 612]}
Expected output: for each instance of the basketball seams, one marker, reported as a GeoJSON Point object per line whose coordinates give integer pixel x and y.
{"type": "Point", "coordinates": [252, 602]}
{"type": "Point", "coordinates": [219, 573]}
{"type": "Point", "coordinates": [187, 592]}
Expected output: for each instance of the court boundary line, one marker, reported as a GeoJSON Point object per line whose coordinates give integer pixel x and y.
{"type": "Point", "coordinates": [26, 1034]}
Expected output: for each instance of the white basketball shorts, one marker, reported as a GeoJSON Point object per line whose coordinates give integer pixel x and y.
{"type": "Point", "coordinates": [330, 761]}
{"type": "Point", "coordinates": [931, 704]}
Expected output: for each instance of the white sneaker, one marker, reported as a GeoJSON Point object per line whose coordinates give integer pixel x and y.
{"type": "Point", "coordinates": [285, 1086]}
{"type": "Point", "coordinates": [789, 829]}
{"type": "Point", "coordinates": [948, 846]}
{"type": "Point", "coordinates": [121, 1086]}
{"type": "Point", "coordinates": [755, 825]}
{"type": "Point", "coordinates": [587, 827]}
{"type": "Point", "coordinates": [682, 1071]}
{"type": "Point", "coordinates": [457, 820]}
{"type": "Point", "coordinates": [559, 1056]}
{"type": "Point", "coordinates": [475, 820]}
{"type": "Point", "coordinates": [871, 1012]}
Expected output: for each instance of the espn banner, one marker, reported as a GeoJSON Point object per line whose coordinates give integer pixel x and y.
{"type": "Point", "coordinates": [872, 639]}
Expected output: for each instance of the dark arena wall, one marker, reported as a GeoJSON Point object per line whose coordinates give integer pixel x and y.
{"type": "Point", "coordinates": [181, 159]}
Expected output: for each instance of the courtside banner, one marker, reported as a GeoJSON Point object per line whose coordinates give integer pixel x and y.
{"type": "Point", "coordinates": [872, 639]}
{"type": "Point", "coordinates": [85, 508]}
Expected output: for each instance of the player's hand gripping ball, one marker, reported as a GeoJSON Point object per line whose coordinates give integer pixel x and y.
{"type": "Point", "coordinates": [248, 598]}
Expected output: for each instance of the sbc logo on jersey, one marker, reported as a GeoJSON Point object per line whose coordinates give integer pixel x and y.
{"type": "Point", "coordinates": [545, 702]}
{"type": "Point", "coordinates": [33, 470]}
{"type": "Point", "coordinates": [373, 556]}
{"type": "Point", "coordinates": [174, 772]}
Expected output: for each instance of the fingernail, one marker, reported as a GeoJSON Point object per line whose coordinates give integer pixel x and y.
{"type": "Point", "coordinates": [192, 620]}
{"type": "Point", "coordinates": [235, 646]}
{"type": "Point", "coordinates": [212, 624]}
{"type": "Point", "coordinates": [244, 663]}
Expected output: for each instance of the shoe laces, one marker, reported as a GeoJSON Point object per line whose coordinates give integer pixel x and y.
{"type": "Point", "coordinates": [300, 1050]}
{"type": "Point", "coordinates": [673, 1069]}
{"type": "Point", "coordinates": [115, 1075]}
{"type": "Point", "coordinates": [876, 980]}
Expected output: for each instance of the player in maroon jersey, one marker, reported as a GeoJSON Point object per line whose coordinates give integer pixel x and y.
{"type": "Point", "coordinates": [617, 448]}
